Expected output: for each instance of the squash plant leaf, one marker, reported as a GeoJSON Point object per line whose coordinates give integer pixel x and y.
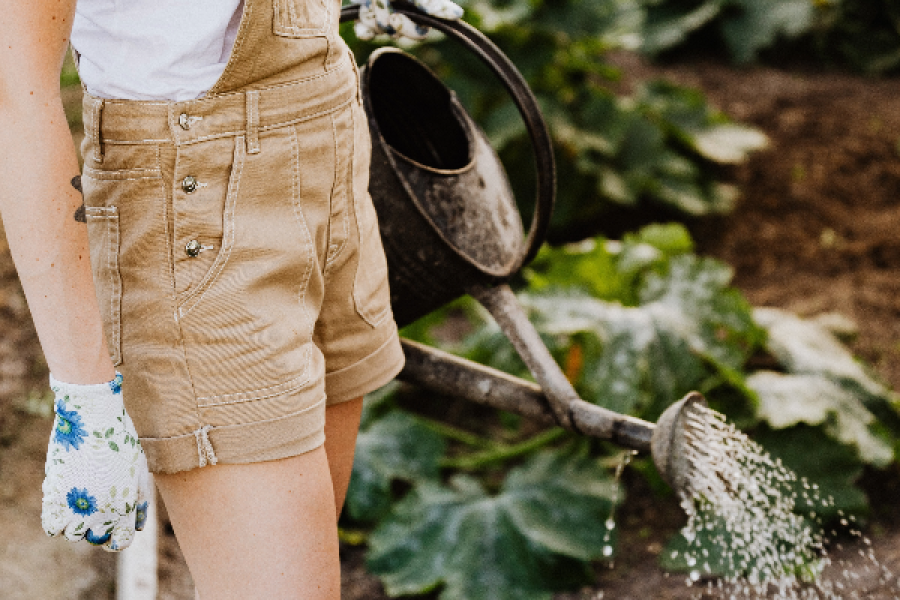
{"type": "Point", "coordinates": [395, 447]}
{"type": "Point", "coordinates": [524, 542]}
{"type": "Point", "coordinates": [807, 347]}
{"type": "Point", "coordinates": [832, 468]}
{"type": "Point", "coordinates": [687, 325]}
{"type": "Point", "coordinates": [786, 400]}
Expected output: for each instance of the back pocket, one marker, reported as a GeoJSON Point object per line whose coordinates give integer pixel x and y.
{"type": "Point", "coordinates": [301, 18]}
{"type": "Point", "coordinates": [103, 231]}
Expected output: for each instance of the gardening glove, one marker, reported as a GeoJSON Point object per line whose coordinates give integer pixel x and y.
{"type": "Point", "coordinates": [378, 16]}
{"type": "Point", "coordinates": [96, 479]}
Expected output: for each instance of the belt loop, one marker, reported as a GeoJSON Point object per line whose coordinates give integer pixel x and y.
{"type": "Point", "coordinates": [252, 122]}
{"type": "Point", "coordinates": [94, 129]}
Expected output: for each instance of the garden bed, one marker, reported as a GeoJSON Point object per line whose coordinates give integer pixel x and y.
{"type": "Point", "coordinates": [816, 230]}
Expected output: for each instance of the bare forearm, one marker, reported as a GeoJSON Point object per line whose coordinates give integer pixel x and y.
{"type": "Point", "coordinates": [37, 200]}
{"type": "Point", "coordinates": [49, 246]}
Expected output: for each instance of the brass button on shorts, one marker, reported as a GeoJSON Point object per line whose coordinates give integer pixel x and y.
{"type": "Point", "coordinates": [232, 348]}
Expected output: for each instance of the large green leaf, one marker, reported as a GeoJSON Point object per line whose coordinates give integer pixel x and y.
{"type": "Point", "coordinates": [829, 468]}
{"type": "Point", "coordinates": [687, 324]}
{"type": "Point", "coordinates": [521, 544]}
{"type": "Point", "coordinates": [807, 347]}
{"type": "Point", "coordinates": [786, 400]}
{"type": "Point", "coordinates": [395, 447]}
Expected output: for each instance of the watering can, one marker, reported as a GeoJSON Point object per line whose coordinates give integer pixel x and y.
{"type": "Point", "coordinates": [450, 226]}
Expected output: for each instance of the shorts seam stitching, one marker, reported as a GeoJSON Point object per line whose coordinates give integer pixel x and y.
{"type": "Point", "coordinates": [294, 384]}
{"type": "Point", "coordinates": [237, 425]}
{"type": "Point", "coordinates": [301, 221]}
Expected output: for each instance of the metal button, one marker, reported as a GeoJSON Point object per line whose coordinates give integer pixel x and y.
{"type": "Point", "coordinates": [184, 121]}
{"type": "Point", "coordinates": [193, 248]}
{"type": "Point", "coordinates": [190, 184]}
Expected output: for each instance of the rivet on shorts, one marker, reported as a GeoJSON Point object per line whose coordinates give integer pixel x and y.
{"type": "Point", "coordinates": [190, 184]}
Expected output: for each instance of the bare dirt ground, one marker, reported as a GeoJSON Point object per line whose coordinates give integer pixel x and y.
{"type": "Point", "coordinates": [816, 230]}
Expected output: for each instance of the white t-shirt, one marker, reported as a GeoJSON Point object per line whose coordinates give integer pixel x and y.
{"type": "Point", "coordinates": [154, 49]}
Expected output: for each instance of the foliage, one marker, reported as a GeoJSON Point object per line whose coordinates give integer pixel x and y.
{"type": "Point", "coordinates": [636, 324]}
{"type": "Point", "coordinates": [662, 144]}
{"type": "Point", "coordinates": [860, 33]}
{"type": "Point", "coordinates": [521, 543]}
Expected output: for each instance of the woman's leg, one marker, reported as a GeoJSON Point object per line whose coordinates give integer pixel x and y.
{"type": "Point", "coordinates": [261, 530]}
{"type": "Point", "coordinates": [267, 530]}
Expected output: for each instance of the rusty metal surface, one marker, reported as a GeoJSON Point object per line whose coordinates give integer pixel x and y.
{"type": "Point", "coordinates": [472, 208]}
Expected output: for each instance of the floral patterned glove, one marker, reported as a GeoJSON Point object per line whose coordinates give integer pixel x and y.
{"type": "Point", "coordinates": [96, 476]}
{"type": "Point", "coordinates": [377, 16]}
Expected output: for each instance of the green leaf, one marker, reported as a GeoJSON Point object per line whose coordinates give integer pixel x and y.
{"type": "Point", "coordinates": [786, 400]}
{"type": "Point", "coordinates": [109, 432]}
{"type": "Point", "coordinates": [668, 26]}
{"type": "Point", "coordinates": [729, 143]}
{"type": "Point", "coordinates": [832, 467]}
{"type": "Point", "coordinates": [114, 446]}
{"type": "Point", "coordinates": [686, 325]}
{"type": "Point", "coordinates": [671, 238]}
{"type": "Point", "coordinates": [807, 347]}
{"type": "Point", "coordinates": [760, 22]}
{"type": "Point", "coordinates": [520, 544]}
{"type": "Point", "coordinates": [395, 447]}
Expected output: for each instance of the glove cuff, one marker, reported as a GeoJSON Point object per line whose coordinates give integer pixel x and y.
{"type": "Point", "coordinates": [90, 392]}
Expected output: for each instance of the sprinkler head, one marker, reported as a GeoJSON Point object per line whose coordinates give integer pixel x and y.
{"type": "Point", "coordinates": [679, 433]}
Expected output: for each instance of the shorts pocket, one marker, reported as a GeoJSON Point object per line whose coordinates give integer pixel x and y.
{"type": "Point", "coordinates": [103, 230]}
{"type": "Point", "coordinates": [301, 18]}
{"type": "Point", "coordinates": [371, 292]}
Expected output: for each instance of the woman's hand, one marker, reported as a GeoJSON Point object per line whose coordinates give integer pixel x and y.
{"type": "Point", "coordinates": [378, 16]}
{"type": "Point", "coordinates": [96, 479]}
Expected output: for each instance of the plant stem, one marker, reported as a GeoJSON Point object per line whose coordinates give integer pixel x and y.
{"type": "Point", "coordinates": [455, 434]}
{"type": "Point", "coordinates": [480, 460]}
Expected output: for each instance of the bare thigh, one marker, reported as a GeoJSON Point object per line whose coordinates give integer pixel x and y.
{"type": "Point", "coordinates": [267, 530]}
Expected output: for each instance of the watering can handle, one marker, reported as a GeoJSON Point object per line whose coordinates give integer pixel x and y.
{"type": "Point", "coordinates": [524, 100]}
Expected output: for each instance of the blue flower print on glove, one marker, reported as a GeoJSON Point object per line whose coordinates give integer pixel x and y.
{"type": "Point", "coordinates": [68, 431]}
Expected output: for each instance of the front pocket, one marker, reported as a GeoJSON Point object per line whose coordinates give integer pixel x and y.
{"type": "Point", "coordinates": [301, 18]}
{"type": "Point", "coordinates": [103, 231]}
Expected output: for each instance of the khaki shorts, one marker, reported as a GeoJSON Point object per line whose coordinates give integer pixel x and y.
{"type": "Point", "coordinates": [238, 265]}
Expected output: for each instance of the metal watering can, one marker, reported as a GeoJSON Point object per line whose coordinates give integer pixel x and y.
{"type": "Point", "coordinates": [450, 226]}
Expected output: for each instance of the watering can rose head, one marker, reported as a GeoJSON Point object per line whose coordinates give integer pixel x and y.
{"type": "Point", "coordinates": [379, 17]}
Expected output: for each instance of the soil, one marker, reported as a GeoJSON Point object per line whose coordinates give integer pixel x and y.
{"type": "Point", "coordinates": [815, 231]}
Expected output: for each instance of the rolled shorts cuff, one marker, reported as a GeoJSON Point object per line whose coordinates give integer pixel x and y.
{"type": "Point", "coordinates": [366, 375]}
{"type": "Point", "coordinates": [270, 439]}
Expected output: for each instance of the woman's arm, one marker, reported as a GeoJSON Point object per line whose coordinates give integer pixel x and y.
{"type": "Point", "coordinates": [95, 478]}
{"type": "Point", "coordinates": [37, 199]}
